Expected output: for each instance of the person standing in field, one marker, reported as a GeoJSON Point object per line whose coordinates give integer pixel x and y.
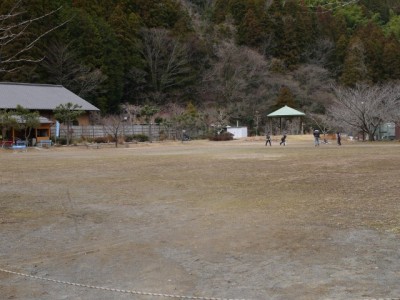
{"type": "Point", "coordinates": [267, 139]}
{"type": "Point", "coordinates": [283, 140]}
{"type": "Point", "coordinates": [339, 138]}
{"type": "Point", "coordinates": [316, 137]}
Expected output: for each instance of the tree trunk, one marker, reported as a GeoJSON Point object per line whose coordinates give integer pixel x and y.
{"type": "Point", "coordinates": [68, 133]}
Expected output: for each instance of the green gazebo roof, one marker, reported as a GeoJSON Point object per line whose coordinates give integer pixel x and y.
{"type": "Point", "coordinates": [286, 111]}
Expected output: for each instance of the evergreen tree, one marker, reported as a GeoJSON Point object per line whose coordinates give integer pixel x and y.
{"type": "Point", "coordinates": [67, 113]}
{"type": "Point", "coordinates": [391, 58]}
{"type": "Point", "coordinates": [285, 97]}
{"type": "Point", "coordinates": [290, 51]}
{"type": "Point", "coordinates": [355, 68]}
{"type": "Point", "coordinates": [250, 30]}
{"type": "Point", "coordinates": [220, 11]}
{"type": "Point", "coordinates": [341, 47]}
{"type": "Point", "coordinates": [393, 26]}
{"type": "Point", "coordinates": [373, 40]}
{"type": "Point", "coordinates": [7, 121]}
{"type": "Point", "coordinates": [238, 9]}
{"type": "Point", "coordinates": [112, 66]}
{"type": "Point", "coordinates": [28, 120]}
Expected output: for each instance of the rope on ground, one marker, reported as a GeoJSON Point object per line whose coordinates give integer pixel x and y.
{"type": "Point", "coordinates": [112, 289]}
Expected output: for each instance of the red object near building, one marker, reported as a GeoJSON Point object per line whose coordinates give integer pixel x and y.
{"type": "Point", "coordinates": [397, 131]}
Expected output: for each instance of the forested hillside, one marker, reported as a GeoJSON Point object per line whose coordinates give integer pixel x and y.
{"type": "Point", "coordinates": [242, 57]}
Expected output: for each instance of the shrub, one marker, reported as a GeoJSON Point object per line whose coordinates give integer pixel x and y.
{"type": "Point", "coordinates": [101, 139]}
{"type": "Point", "coordinates": [129, 138]}
{"type": "Point", "coordinates": [163, 135]}
{"type": "Point", "coordinates": [137, 137]}
{"type": "Point", "coordinates": [85, 139]}
{"type": "Point", "coordinates": [62, 141]}
{"type": "Point", "coordinates": [225, 136]}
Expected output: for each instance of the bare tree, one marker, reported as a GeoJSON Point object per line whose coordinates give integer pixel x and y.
{"type": "Point", "coordinates": [220, 120]}
{"type": "Point", "coordinates": [238, 78]}
{"type": "Point", "coordinates": [167, 62]}
{"type": "Point", "coordinates": [319, 52]}
{"type": "Point", "coordinates": [113, 125]}
{"type": "Point", "coordinates": [364, 108]}
{"type": "Point", "coordinates": [131, 112]}
{"type": "Point", "coordinates": [171, 114]}
{"type": "Point", "coordinates": [61, 63]}
{"type": "Point", "coordinates": [148, 111]}
{"type": "Point", "coordinates": [313, 79]}
{"type": "Point", "coordinates": [323, 122]}
{"type": "Point", "coordinates": [13, 27]}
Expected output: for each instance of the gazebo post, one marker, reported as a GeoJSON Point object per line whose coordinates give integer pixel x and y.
{"type": "Point", "coordinates": [270, 126]}
{"type": "Point", "coordinates": [301, 125]}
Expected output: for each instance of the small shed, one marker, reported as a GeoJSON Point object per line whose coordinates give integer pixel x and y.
{"type": "Point", "coordinates": [238, 132]}
{"type": "Point", "coordinates": [287, 113]}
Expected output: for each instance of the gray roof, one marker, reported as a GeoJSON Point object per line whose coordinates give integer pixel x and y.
{"type": "Point", "coordinates": [42, 120]}
{"type": "Point", "coordinates": [38, 96]}
{"type": "Point", "coordinates": [286, 111]}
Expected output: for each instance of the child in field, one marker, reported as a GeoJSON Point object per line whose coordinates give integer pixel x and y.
{"type": "Point", "coordinates": [316, 137]}
{"type": "Point", "coordinates": [267, 139]}
{"type": "Point", "coordinates": [283, 140]}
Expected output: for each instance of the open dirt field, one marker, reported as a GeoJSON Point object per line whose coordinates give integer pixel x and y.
{"type": "Point", "coordinates": [202, 219]}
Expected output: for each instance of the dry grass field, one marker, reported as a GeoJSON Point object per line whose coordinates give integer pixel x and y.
{"type": "Point", "coordinates": [234, 220]}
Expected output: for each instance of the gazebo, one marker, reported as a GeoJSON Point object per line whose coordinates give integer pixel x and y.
{"type": "Point", "coordinates": [286, 113]}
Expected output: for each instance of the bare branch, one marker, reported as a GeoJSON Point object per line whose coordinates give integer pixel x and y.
{"type": "Point", "coordinates": [11, 30]}
{"type": "Point", "coordinates": [112, 125]}
{"type": "Point", "coordinates": [364, 108]}
{"type": "Point", "coordinates": [166, 59]}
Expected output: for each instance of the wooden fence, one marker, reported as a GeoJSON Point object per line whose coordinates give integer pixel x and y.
{"type": "Point", "coordinates": [94, 131]}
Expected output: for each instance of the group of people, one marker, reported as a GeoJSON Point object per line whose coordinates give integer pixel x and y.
{"type": "Point", "coordinates": [316, 134]}
{"type": "Point", "coordinates": [268, 140]}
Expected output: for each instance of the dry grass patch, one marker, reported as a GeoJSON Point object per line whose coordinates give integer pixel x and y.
{"type": "Point", "coordinates": [225, 219]}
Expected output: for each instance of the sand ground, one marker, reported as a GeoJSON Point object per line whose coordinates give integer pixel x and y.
{"type": "Point", "coordinates": [205, 219]}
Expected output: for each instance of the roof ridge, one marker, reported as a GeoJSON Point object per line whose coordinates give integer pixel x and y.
{"type": "Point", "coordinates": [39, 96]}
{"type": "Point", "coordinates": [31, 84]}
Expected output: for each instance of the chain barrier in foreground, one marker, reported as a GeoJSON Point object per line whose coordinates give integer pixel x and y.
{"type": "Point", "coordinates": [137, 292]}
{"type": "Point", "coordinates": [112, 289]}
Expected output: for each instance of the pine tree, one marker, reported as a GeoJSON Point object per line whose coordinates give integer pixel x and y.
{"type": "Point", "coordinates": [373, 40]}
{"type": "Point", "coordinates": [250, 30]}
{"type": "Point", "coordinates": [67, 113]}
{"type": "Point", "coordinates": [391, 58]}
{"type": "Point", "coordinates": [285, 97]}
{"type": "Point", "coordinates": [354, 69]}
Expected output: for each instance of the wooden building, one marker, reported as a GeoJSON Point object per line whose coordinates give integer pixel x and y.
{"type": "Point", "coordinates": [43, 98]}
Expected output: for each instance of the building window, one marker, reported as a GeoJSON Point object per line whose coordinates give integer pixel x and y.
{"type": "Point", "coordinates": [42, 132]}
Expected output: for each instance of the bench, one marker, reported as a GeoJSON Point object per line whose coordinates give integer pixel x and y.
{"type": "Point", "coordinates": [45, 143]}
{"type": "Point", "coordinates": [19, 147]}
